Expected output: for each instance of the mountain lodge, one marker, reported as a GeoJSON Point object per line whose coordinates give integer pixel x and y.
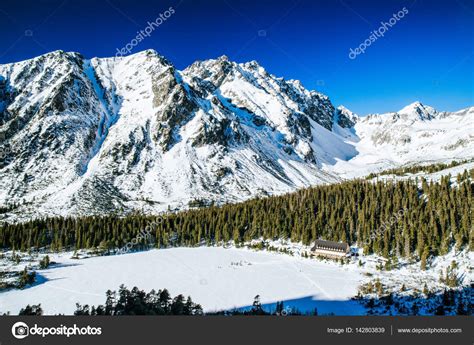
{"type": "Point", "coordinates": [330, 249]}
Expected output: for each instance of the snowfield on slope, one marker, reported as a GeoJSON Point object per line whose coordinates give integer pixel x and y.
{"type": "Point", "coordinates": [215, 277]}
{"type": "Point", "coordinates": [386, 141]}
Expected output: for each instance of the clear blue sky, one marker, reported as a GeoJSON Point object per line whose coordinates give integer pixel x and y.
{"type": "Point", "coordinates": [428, 55]}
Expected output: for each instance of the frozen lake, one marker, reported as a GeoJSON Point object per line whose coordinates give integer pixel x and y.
{"type": "Point", "coordinates": [215, 277]}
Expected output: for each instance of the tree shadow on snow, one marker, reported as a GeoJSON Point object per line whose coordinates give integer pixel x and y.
{"type": "Point", "coordinates": [448, 302]}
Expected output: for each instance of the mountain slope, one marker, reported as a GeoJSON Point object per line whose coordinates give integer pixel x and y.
{"type": "Point", "coordinates": [415, 134]}
{"type": "Point", "coordinates": [134, 133]}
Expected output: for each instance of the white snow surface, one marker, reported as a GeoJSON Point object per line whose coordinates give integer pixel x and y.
{"type": "Point", "coordinates": [224, 278]}
{"type": "Point", "coordinates": [417, 134]}
{"type": "Point", "coordinates": [216, 277]}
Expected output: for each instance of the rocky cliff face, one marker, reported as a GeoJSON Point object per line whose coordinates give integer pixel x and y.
{"type": "Point", "coordinates": [120, 134]}
{"type": "Point", "coordinates": [106, 135]}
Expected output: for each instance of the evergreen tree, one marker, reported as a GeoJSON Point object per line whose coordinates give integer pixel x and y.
{"type": "Point", "coordinates": [34, 310]}
{"type": "Point", "coordinates": [389, 218]}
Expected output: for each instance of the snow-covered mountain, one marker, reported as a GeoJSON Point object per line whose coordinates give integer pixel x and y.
{"type": "Point", "coordinates": [117, 135]}
{"type": "Point", "coordinates": [415, 134]}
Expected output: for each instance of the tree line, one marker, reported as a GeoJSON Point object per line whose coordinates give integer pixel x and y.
{"type": "Point", "coordinates": [432, 168]}
{"type": "Point", "coordinates": [413, 218]}
{"type": "Point", "coordinates": [138, 302]}
{"type": "Point", "coordinates": [132, 302]}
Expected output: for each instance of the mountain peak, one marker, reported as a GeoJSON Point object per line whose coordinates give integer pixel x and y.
{"type": "Point", "coordinates": [344, 110]}
{"type": "Point", "coordinates": [223, 58]}
{"type": "Point", "coordinates": [146, 53]}
{"type": "Point", "coordinates": [423, 112]}
{"type": "Point", "coordinates": [56, 54]}
{"type": "Point", "coordinates": [221, 62]}
{"type": "Point", "coordinates": [253, 65]}
{"type": "Point", "coordinates": [410, 107]}
{"type": "Point", "coordinates": [345, 117]}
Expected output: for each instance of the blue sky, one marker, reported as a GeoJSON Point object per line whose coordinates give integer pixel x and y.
{"type": "Point", "coordinates": [428, 55]}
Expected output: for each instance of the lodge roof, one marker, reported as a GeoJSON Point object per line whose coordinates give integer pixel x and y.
{"type": "Point", "coordinates": [330, 245]}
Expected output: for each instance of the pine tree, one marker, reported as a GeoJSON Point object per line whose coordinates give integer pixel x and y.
{"type": "Point", "coordinates": [424, 258]}
{"type": "Point", "coordinates": [32, 310]}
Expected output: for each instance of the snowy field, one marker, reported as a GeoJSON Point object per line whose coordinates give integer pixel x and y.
{"type": "Point", "coordinates": [215, 277]}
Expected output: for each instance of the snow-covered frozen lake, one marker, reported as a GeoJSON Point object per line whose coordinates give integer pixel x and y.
{"type": "Point", "coordinates": [215, 277]}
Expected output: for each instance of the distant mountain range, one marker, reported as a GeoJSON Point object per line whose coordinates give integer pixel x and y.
{"type": "Point", "coordinates": [117, 135]}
